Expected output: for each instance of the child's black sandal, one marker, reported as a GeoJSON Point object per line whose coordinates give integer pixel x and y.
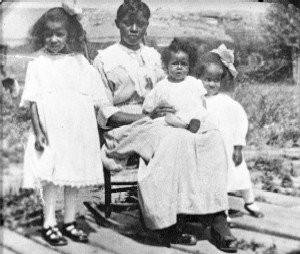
{"type": "Point", "coordinates": [256, 214]}
{"type": "Point", "coordinates": [53, 236]}
{"type": "Point", "coordinates": [72, 231]}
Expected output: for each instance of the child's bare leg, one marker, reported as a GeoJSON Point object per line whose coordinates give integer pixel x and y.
{"type": "Point", "coordinates": [175, 121]}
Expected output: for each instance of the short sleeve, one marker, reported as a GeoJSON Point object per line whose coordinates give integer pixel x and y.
{"type": "Point", "coordinates": [106, 105]}
{"type": "Point", "coordinates": [31, 87]}
{"type": "Point", "coordinates": [98, 90]}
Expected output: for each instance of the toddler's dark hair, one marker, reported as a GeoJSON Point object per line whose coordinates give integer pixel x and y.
{"type": "Point", "coordinates": [131, 7]}
{"type": "Point", "coordinates": [227, 80]}
{"type": "Point", "coordinates": [76, 33]}
{"type": "Point", "coordinates": [184, 46]}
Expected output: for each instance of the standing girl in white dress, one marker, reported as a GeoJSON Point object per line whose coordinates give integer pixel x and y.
{"type": "Point", "coordinates": [217, 73]}
{"type": "Point", "coordinates": [62, 90]}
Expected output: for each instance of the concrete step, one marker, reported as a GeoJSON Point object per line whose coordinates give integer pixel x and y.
{"type": "Point", "coordinates": [278, 221]}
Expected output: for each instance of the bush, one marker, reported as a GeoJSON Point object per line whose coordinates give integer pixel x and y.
{"type": "Point", "coordinates": [273, 113]}
{"type": "Point", "coordinates": [14, 130]}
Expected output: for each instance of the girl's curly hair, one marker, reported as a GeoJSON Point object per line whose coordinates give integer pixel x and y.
{"type": "Point", "coordinates": [76, 33]}
{"type": "Point", "coordinates": [131, 7]}
{"type": "Point", "coordinates": [227, 80]}
{"type": "Point", "coordinates": [184, 46]}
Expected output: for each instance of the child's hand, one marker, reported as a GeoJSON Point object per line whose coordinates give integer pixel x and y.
{"type": "Point", "coordinates": [237, 155]}
{"type": "Point", "coordinates": [40, 142]}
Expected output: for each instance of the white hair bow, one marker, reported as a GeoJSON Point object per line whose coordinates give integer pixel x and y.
{"type": "Point", "coordinates": [227, 58]}
{"type": "Point", "coordinates": [72, 9]}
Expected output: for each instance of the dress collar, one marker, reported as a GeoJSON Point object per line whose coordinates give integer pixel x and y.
{"type": "Point", "coordinates": [128, 50]}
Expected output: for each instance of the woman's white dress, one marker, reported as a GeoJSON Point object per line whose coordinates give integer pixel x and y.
{"type": "Point", "coordinates": [183, 173]}
{"type": "Point", "coordinates": [232, 121]}
{"type": "Point", "coordinates": [66, 89]}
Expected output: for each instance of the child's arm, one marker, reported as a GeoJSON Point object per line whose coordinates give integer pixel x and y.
{"type": "Point", "coordinates": [237, 155]}
{"type": "Point", "coordinates": [240, 132]}
{"type": "Point", "coordinates": [40, 136]}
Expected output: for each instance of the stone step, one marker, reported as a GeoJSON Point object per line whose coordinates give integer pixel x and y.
{"type": "Point", "coordinates": [17, 243]}
{"type": "Point", "coordinates": [278, 221]}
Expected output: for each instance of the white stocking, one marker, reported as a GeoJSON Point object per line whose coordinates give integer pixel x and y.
{"type": "Point", "coordinates": [49, 195]}
{"type": "Point", "coordinates": [71, 194]}
{"type": "Point", "coordinates": [248, 196]}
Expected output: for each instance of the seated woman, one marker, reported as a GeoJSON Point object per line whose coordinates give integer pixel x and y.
{"type": "Point", "coordinates": [182, 174]}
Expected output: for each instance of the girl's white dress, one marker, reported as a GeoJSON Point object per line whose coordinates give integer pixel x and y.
{"type": "Point", "coordinates": [232, 121]}
{"type": "Point", "coordinates": [186, 97]}
{"type": "Point", "coordinates": [66, 89]}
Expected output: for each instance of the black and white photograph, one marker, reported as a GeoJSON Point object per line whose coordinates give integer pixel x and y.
{"type": "Point", "coordinates": [147, 126]}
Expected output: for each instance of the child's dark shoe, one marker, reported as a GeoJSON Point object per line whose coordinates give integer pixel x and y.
{"type": "Point", "coordinates": [194, 125]}
{"type": "Point", "coordinates": [72, 231]}
{"type": "Point", "coordinates": [53, 236]}
{"type": "Point", "coordinates": [251, 208]}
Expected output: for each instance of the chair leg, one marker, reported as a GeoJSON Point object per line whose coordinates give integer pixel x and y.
{"type": "Point", "coordinates": [107, 197]}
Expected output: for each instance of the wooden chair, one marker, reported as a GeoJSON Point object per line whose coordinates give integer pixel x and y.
{"type": "Point", "coordinates": [124, 181]}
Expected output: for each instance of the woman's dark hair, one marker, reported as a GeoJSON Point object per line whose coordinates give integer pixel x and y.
{"type": "Point", "coordinates": [131, 7]}
{"type": "Point", "coordinates": [227, 80]}
{"type": "Point", "coordinates": [184, 46]}
{"type": "Point", "coordinates": [76, 33]}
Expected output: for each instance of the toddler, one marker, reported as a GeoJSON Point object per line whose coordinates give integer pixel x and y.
{"type": "Point", "coordinates": [179, 90]}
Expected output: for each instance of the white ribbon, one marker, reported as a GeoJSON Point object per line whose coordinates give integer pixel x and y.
{"type": "Point", "coordinates": [227, 58]}
{"type": "Point", "coordinates": [72, 9]}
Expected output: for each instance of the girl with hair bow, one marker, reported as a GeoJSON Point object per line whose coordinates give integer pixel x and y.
{"type": "Point", "coordinates": [62, 91]}
{"type": "Point", "coordinates": [217, 72]}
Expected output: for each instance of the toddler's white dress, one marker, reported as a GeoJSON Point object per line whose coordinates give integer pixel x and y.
{"type": "Point", "coordinates": [185, 96]}
{"type": "Point", "coordinates": [232, 121]}
{"type": "Point", "coordinates": [66, 89]}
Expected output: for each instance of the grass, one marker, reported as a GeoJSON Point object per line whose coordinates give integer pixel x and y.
{"type": "Point", "coordinates": [273, 113]}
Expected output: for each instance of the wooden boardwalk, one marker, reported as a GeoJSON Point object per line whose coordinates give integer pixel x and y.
{"type": "Point", "coordinates": [278, 230]}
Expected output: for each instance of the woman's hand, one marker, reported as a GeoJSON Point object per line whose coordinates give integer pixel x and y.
{"type": "Point", "coordinates": [162, 110]}
{"type": "Point", "coordinates": [237, 155]}
{"type": "Point", "coordinates": [40, 142]}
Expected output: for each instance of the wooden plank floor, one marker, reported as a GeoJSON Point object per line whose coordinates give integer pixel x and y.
{"type": "Point", "coordinates": [279, 227]}
{"type": "Point", "coordinates": [278, 221]}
